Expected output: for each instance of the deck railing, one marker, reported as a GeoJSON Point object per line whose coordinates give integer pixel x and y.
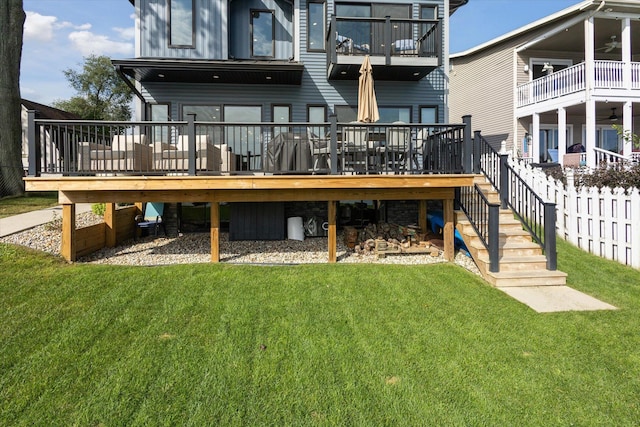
{"type": "Point", "coordinates": [200, 148]}
{"type": "Point", "coordinates": [385, 37]}
{"type": "Point", "coordinates": [607, 75]}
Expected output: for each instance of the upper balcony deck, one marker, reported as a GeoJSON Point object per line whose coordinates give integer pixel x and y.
{"type": "Point", "coordinates": [399, 49]}
{"type": "Point", "coordinates": [607, 75]}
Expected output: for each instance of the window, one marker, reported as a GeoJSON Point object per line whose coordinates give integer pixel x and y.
{"type": "Point", "coordinates": [160, 113]}
{"type": "Point", "coordinates": [262, 34]}
{"type": "Point", "coordinates": [181, 23]}
{"type": "Point", "coordinates": [394, 114]}
{"type": "Point", "coordinates": [428, 12]}
{"type": "Point", "coordinates": [316, 23]}
{"type": "Point", "coordinates": [244, 140]}
{"type": "Point", "coordinates": [281, 114]}
{"type": "Point", "coordinates": [429, 115]}
{"type": "Point", "coordinates": [346, 113]}
{"type": "Point", "coordinates": [317, 114]}
{"type": "Point", "coordinates": [205, 113]}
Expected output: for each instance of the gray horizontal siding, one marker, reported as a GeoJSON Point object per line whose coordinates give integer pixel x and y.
{"type": "Point", "coordinates": [315, 88]}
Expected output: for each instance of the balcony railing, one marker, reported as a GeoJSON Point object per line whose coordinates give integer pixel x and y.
{"type": "Point", "coordinates": [607, 75]}
{"type": "Point", "coordinates": [386, 37]}
{"type": "Point", "coordinates": [209, 148]}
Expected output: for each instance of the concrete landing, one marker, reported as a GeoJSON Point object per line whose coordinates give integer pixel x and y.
{"type": "Point", "coordinates": [550, 299]}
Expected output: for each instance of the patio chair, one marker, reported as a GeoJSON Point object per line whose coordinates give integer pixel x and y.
{"type": "Point", "coordinates": [127, 153]}
{"type": "Point", "coordinates": [396, 147]}
{"type": "Point", "coordinates": [176, 157]}
{"type": "Point", "coordinates": [152, 218]}
{"type": "Point", "coordinates": [320, 149]}
{"type": "Point", "coordinates": [355, 148]}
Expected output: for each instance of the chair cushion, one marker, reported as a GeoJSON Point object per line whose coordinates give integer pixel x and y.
{"type": "Point", "coordinates": [106, 155]}
{"type": "Point", "coordinates": [175, 154]}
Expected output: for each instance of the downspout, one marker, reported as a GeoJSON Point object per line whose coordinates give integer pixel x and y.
{"type": "Point", "coordinates": [134, 89]}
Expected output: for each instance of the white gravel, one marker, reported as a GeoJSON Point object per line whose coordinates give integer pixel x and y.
{"type": "Point", "coordinates": [196, 248]}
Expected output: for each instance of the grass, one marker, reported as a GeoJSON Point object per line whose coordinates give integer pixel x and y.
{"type": "Point", "coordinates": [309, 345]}
{"type": "Point", "coordinates": [29, 202]}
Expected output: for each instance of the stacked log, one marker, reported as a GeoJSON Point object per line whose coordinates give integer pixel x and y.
{"type": "Point", "coordinates": [388, 238]}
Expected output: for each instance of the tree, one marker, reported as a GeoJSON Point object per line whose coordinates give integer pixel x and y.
{"type": "Point", "coordinates": [102, 94]}
{"type": "Point", "coordinates": [12, 19]}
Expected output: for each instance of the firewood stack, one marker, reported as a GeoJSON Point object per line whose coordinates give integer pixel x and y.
{"type": "Point", "coordinates": [388, 238]}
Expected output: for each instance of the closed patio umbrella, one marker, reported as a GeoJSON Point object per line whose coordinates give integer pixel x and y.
{"type": "Point", "coordinates": [367, 104]}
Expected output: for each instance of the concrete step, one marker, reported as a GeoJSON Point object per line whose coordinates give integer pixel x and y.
{"type": "Point", "coordinates": [506, 249]}
{"type": "Point", "coordinates": [506, 279]}
{"type": "Point", "coordinates": [519, 263]}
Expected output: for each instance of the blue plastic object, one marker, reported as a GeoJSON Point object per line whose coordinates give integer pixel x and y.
{"type": "Point", "coordinates": [436, 220]}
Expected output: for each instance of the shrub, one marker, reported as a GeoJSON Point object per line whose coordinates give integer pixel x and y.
{"type": "Point", "coordinates": [620, 175]}
{"type": "Point", "coordinates": [98, 208]}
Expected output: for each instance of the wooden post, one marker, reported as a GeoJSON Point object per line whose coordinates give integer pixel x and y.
{"type": "Point", "coordinates": [68, 247]}
{"type": "Point", "coordinates": [448, 231]}
{"type": "Point", "coordinates": [332, 236]}
{"type": "Point", "coordinates": [215, 232]}
{"type": "Point", "coordinates": [110, 222]}
{"type": "Point", "coordinates": [139, 209]}
{"type": "Point", "coordinates": [422, 216]}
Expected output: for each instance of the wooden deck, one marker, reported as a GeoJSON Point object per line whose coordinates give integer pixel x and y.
{"type": "Point", "coordinates": [262, 188]}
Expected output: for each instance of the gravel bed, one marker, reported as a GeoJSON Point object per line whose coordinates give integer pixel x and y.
{"type": "Point", "coordinates": [196, 247]}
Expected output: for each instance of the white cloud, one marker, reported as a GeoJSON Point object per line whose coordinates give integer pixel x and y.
{"type": "Point", "coordinates": [39, 27]}
{"type": "Point", "coordinates": [125, 33]}
{"type": "Point", "coordinates": [88, 43]}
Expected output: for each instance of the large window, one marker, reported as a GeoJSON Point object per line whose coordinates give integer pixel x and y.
{"type": "Point", "coordinates": [316, 23]}
{"type": "Point", "coordinates": [281, 114]}
{"type": "Point", "coordinates": [429, 115]}
{"type": "Point", "coordinates": [244, 140]}
{"type": "Point", "coordinates": [349, 113]}
{"type": "Point", "coordinates": [181, 23]}
{"type": "Point", "coordinates": [205, 113]}
{"type": "Point", "coordinates": [262, 33]}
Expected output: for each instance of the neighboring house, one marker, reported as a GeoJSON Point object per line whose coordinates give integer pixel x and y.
{"type": "Point", "coordinates": [560, 81]}
{"type": "Point", "coordinates": [42, 112]}
{"type": "Point", "coordinates": [289, 61]}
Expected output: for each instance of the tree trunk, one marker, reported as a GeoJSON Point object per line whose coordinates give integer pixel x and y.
{"type": "Point", "coordinates": [12, 19]}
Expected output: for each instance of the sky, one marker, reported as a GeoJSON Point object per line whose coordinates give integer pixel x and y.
{"type": "Point", "coordinates": [59, 33]}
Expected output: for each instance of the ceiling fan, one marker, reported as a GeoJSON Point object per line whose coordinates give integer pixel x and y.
{"type": "Point", "coordinates": [613, 117]}
{"type": "Point", "coordinates": [609, 46]}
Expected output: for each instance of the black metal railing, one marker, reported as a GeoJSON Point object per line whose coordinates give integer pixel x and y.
{"type": "Point", "coordinates": [537, 216]}
{"type": "Point", "coordinates": [198, 148]}
{"type": "Point", "coordinates": [484, 217]}
{"type": "Point", "coordinates": [387, 37]}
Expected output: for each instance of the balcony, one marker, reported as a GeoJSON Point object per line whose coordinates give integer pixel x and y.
{"type": "Point", "coordinates": [608, 75]}
{"type": "Point", "coordinates": [86, 148]}
{"type": "Point", "coordinates": [399, 49]}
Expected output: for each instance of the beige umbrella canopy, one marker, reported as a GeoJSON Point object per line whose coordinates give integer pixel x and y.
{"type": "Point", "coordinates": [367, 104]}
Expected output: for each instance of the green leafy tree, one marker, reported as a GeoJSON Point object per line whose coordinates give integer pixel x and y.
{"type": "Point", "coordinates": [101, 93]}
{"type": "Point", "coordinates": [12, 19]}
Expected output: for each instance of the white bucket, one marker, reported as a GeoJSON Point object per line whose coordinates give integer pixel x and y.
{"type": "Point", "coordinates": [295, 230]}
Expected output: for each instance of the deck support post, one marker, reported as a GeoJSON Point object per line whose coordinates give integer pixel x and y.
{"type": "Point", "coordinates": [215, 232]}
{"type": "Point", "coordinates": [448, 230]}
{"type": "Point", "coordinates": [332, 237]}
{"type": "Point", "coordinates": [68, 246]}
{"type": "Point", "coordinates": [110, 222]}
{"type": "Point", "coordinates": [422, 216]}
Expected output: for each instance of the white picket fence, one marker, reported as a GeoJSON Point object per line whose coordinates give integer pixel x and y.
{"type": "Point", "coordinates": [597, 221]}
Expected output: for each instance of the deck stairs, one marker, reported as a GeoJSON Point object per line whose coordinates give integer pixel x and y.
{"type": "Point", "coordinates": [522, 262]}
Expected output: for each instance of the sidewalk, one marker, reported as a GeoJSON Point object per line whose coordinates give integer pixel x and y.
{"type": "Point", "coordinates": [17, 223]}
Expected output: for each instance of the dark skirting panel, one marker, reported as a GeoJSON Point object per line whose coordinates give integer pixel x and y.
{"type": "Point", "coordinates": [257, 221]}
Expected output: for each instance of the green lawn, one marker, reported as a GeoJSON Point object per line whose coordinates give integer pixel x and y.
{"type": "Point", "coordinates": [309, 345]}
{"type": "Point", "coordinates": [27, 203]}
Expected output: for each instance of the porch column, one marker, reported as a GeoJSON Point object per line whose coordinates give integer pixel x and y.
{"type": "Point", "coordinates": [627, 126]}
{"type": "Point", "coordinates": [562, 133]}
{"type": "Point", "coordinates": [215, 231]}
{"type": "Point", "coordinates": [535, 139]}
{"type": "Point", "coordinates": [626, 52]}
{"type": "Point", "coordinates": [332, 238]}
{"type": "Point", "coordinates": [590, 104]}
{"type": "Point", "coordinates": [68, 246]}
{"type": "Point", "coordinates": [110, 222]}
